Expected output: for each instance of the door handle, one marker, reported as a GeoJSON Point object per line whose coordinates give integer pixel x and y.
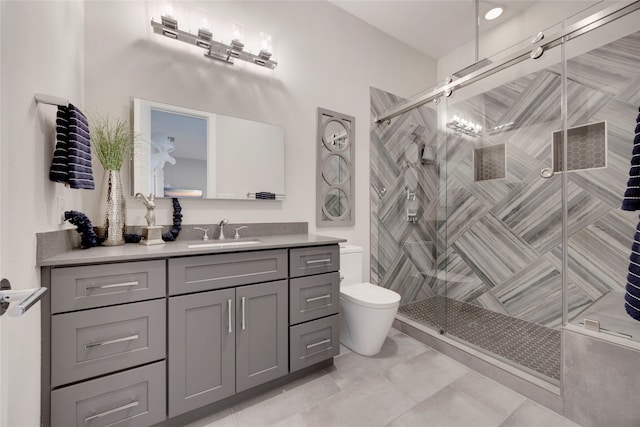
{"type": "Point", "coordinates": [546, 173]}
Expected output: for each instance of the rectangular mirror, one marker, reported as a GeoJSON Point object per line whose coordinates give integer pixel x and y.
{"type": "Point", "coordinates": [182, 152]}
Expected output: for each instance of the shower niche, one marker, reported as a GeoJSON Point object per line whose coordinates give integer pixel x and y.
{"type": "Point", "coordinates": [586, 147]}
{"type": "Point", "coordinates": [490, 162]}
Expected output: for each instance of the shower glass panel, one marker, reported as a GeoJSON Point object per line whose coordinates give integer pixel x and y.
{"type": "Point", "coordinates": [499, 228]}
{"type": "Point", "coordinates": [603, 86]}
{"type": "Point", "coordinates": [496, 211]}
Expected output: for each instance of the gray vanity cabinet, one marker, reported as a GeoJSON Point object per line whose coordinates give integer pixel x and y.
{"type": "Point", "coordinates": [262, 341]}
{"type": "Point", "coordinates": [201, 349]}
{"type": "Point", "coordinates": [314, 287]}
{"type": "Point", "coordinates": [225, 341]}
{"type": "Point", "coordinates": [139, 343]}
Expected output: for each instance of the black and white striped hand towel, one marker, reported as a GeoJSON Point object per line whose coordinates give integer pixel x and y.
{"type": "Point", "coordinates": [79, 154]}
{"type": "Point", "coordinates": [631, 201]}
{"type": "Point", "coordinates": [632, 296]}
{"type": "Point", "coordinates": [71, 162]}
{"type": "Point", "coordinates": [59, 171]}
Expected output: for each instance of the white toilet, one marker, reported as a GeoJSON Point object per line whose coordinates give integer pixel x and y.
{"type": "Point", "coordinates": [368, 310]}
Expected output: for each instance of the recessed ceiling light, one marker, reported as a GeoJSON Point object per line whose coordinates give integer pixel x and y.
{"type": "Point", "coordinates": [493, 13]}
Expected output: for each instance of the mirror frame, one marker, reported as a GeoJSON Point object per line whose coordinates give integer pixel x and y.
{"type": "Point", "coordinates": [324, 153]}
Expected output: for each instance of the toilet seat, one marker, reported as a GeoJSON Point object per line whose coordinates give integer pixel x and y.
{"type": "Point", "coordinates": [369, 295]}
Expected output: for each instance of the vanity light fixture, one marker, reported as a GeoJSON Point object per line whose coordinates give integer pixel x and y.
{"type": "Point", "coordinates": [168, 27]}
{"type": "Point", "coordinates": [459, 125]}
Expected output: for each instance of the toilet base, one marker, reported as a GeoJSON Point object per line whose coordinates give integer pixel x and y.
{"type": "Point", "coordinates": [363, 330]}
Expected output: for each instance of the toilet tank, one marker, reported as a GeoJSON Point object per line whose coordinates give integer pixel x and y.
{"type": "Point", "coordinates": [350, 264]}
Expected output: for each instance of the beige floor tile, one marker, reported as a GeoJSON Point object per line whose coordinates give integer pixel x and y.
{"type": "Point", "coordinates": [530, 414]}
{"type": "Point", "coordinates": [372, 403]}
{"type": "Point", "coordinates": [449, 408]}
{"type": "Point", "coordinates": [425, 374]}
{"type": "Point", "coordinates": [492, 394]}
{"type": "Point", "coordinates": [269, 411]}
{"type": "Point", "coordinates": [352, 368]}
{"type": "Point", "coordinates": [222, 418]}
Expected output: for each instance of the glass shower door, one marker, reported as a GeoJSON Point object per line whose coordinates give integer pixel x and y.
{"type": "Point", "coordinates": [503, 225]}
{"type": "Point", "coordinates": [603, 86]}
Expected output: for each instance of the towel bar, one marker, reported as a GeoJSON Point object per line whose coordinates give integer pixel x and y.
{"type": "Point", "coordinates": [29, 298]}
{"type": "Point", "coordinates": [52, 100]}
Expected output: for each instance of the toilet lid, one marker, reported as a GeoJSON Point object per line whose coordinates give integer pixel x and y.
{"type": "Point", "coordinates": [370, 295]}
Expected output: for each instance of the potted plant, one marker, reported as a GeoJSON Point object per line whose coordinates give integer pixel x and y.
{"type": "Point", "coordinates": [112, 143]}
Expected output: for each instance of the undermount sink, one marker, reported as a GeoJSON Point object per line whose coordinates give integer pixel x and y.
{"type": "Point", "coordinates": [220, 245]}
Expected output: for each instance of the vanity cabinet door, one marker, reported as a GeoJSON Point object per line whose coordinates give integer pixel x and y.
{"type": "Point", "coordinates": [201, 349]}
{"type": "Point", "coordinates": [262, 340]}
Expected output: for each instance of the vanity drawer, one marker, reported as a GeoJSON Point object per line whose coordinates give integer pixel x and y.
{"type": "Point", "coordinates": [314, 341]}
{"type": "Point", "coordinates": [132, 398]}
{"type": "Point", "coordinates": [203, 273]}
{"type": "Point", "coordinates": [314, 297]}
{"type": "Point", "coordinates": [88, 343]}
{"type": "Point", "coordinates": [314, 260]}
{"type": "Point", "coordinates": [76, 288]}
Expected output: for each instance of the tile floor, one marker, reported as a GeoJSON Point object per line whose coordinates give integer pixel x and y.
{"type": "Point", "coordinates": [407, 384]}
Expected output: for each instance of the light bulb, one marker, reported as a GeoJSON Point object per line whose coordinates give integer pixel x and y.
{"type": "Point", "coordinates": [237, 32]}
{"type": "Point", "coordinates": [167, 10]}
{"type": "Point", "coordinates": [265, 42]}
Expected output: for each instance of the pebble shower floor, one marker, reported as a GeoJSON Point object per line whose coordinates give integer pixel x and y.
{"type": "Point", "coordinates": [532, 346]}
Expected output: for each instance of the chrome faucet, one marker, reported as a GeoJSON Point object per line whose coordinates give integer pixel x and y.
{"type": "Point", "coordinates": [222, 224]}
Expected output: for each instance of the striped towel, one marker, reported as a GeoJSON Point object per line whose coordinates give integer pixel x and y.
{"type": "Point", "coordinates": [631, 201]}
{"type": "Point", "coordinates": [71, 162]}
{"type": "Point", "coordinates": [632, 296]}
{"type": "Point", "coordinates": [79, 154]}
{"type": "Point", "coordinates": [265, 195]}
{"type": "Point", "coordinates": [59, 171]}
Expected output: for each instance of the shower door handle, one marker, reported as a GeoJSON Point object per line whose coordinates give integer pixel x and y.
{"type": "Point", "coordinates": [546, 173]}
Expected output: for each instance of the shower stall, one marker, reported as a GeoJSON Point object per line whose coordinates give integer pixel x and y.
{"type": "Point", "coordinates": [496, 197]}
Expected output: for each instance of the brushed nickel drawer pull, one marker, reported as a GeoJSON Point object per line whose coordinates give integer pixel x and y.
{"type": "Point", "coordinates": [319, 261]}
{"type": "Point", "coordinates": [318, 298]}
{"type": "Point", "coordinates": [243, 319]}
{"type": "Point", "coordinates": [328, 340]}
{"type": "Point", "coordinates": [229, 310]}
{"type": "Point", "coordinates": [112, 411]}
{"type": "Point", "coordinates": [117, 340]}
{"type": "Point", "coordinates": [115, 285]}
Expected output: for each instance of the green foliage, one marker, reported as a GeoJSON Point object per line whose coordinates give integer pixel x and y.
{"type": "Point", "coordinates": [112, 141]}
